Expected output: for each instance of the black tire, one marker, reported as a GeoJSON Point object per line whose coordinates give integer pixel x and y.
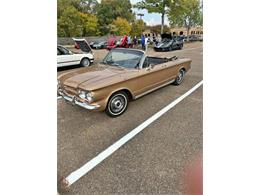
{"type": "Point", "coordinates": [180, 47]}
{"type": "Point", "coordinates": [179, 77]}
{"type": "Point", "coordinates": [85, 62]}
{"type": "Point", "coordinates": [117, 104]}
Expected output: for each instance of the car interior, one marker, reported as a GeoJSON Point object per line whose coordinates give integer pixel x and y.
{"type": "Point", "coordinates": [62, 51]}
{"type": "Point", "coordinates": [151, 61]}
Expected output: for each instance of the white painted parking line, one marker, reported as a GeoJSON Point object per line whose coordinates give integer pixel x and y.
{"type": "Point", "coordinates": [74, 176]}
{"type": "Point", "coordinates": [59, 97]}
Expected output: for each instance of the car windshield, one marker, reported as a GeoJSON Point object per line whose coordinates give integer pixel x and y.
{"type": "Point", "coordinates": [123, 58]}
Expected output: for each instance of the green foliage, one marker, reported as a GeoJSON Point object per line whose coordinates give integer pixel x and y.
{"type": "Point", "coordinates": [88, 17]}
{"type": "Point", "coordinates": [186, 13]}
{"type": "Point", "coordinates": [62, 5]}
{"type": "Point", "coordinates": [120, 26]}
{"type": "Point", "coordinates": [73, 23]}
{"type": "Point", "coordinates": [69, 23]}
{"type": "Point", "coordinates": [153, 6]}
{"type": "Point", "coordinates": [89, 24]}
{"type": "Point", "coordinates": [109, 10]}
{"type": "Point", "coordinates": [87, 6]}
{"type": "Point", "coordinates": [137, 27]}
{"type": "Point", "coordinates": [75, 18]}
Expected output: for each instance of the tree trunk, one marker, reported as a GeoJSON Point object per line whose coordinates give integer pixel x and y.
{"type": "Point", "coordinates": [162, 23]}
{"type": "Point", "coordinates": [188, 31]}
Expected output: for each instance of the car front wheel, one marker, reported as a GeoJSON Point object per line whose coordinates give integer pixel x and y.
{"type": "Point", "coordinates": [179, 77]}
{"type": "Point", "coordinates": [85, 62]}
{"type": "Point", "coordinates": [117, 104]}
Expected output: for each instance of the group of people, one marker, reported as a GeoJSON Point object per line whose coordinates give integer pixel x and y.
{"type": "Point", "coordinates": [127, 41]}
{"type": "Point", "coordinates": [144, 42]}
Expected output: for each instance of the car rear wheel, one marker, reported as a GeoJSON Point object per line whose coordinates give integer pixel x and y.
{"type": "Point", "coordinates": [117, 104]}
{"type": "Point", "coordinates": [179, 78]}
{"type": "Point", "coordinates": [85, 62]}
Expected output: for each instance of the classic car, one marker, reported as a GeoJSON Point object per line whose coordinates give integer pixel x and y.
{"type": "Point", "coordinates": [168, 43]}
{"type": "Point", "coordinates": [65, 57]}
{"type": "Point", "coordinates": [98, 44]}
{"type": "Point", "coordinates": [123, 75]}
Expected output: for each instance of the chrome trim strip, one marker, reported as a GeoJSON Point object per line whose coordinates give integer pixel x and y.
{"type": "Point", "coordinates": [151, 90]}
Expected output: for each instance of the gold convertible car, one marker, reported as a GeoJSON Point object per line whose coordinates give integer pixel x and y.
{"type": "Point", "coordinates": [123, 75]}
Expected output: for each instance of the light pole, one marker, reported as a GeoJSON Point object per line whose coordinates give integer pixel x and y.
{"type": "Point", "coordinates": [141, 15]}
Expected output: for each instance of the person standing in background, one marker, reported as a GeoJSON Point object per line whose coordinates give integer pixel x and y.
{"type": "Point", "coordinates": [146, 43]}
{"type": "Point", "coordinates": [143, 42]}
{"type": "Point", "coordinates": [129, 41]}
{"type": "Point", "coordinates": [135, 41]}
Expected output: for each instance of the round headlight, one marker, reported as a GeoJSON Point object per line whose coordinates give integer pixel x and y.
{"type": "Point", "coordinates": [89, 96]}
{"type": "Point", "coordinates": [85, 95]}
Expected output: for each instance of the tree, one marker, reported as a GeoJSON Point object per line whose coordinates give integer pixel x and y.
{"type": "Point", "coordinates": [89, 24]}
{"type": "Point", "coordinates": [155, 6]}
{"type": "Point", "coordinates": [187, 13]}
{"type": "Point", "coordinates": [70, 23]}
{"type": "Point", "coordinates": [120, 26]}
{"type": "Point", "coordinates": [109, 10]}
{"type": "Point", "coordinates": [75, 18]}
{"type": "Point", "coordinates": [137, 27]}
{"type": "Point", "coordinates": [86, 6]}
{"type": "Point", "coordinates": [62, 5]}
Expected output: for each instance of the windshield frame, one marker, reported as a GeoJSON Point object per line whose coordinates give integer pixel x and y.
{"type": "Point", "coordinates": [123, 50]}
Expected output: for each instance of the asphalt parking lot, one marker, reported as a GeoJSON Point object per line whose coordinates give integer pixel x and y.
{"type": "Point", "coordinates": [155, 160]}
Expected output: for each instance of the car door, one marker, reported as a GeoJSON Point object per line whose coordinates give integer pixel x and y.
{"type": "Point", "coordinates": [65, 57]}
{"type": "Point", "coordinates": [152, 77]}
{"type": "Point", "coordinates": [174, 44]}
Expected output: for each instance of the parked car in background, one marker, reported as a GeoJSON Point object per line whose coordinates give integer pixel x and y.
{"type": "Point", "coordinates": [179, 38]}
{"type": "Point", "coordinates": [168, 43]}
{"type": "Point", "coordinates": [98, 44]}
{"type": "Point", "coordinates": [112, 43]}
{"type": "Point", "coordinates": [193, 38]}
{"type": "Point", "coordinates": [200, 38]}
{"type": "Point", "coordinates": [123, 75]}
{"type": "Point", "coordinates": [65, 57]}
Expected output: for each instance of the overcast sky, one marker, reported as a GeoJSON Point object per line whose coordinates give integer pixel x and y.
{"type": "Point", "coordinates": [150, 19]}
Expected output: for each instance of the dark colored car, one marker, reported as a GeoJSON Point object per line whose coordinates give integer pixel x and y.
{"type": "Point", "coordinates": [168, 43]}
{"type": "Point", "coordinates": [98, 44]}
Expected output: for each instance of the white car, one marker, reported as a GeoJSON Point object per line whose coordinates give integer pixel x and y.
{"type": "Point", "coordinates": [66, 57]}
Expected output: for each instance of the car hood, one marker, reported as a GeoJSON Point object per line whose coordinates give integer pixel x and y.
{"type": "Point", "coordinates": [83, 45]}
{"type": "Point", "coordinates": [166, 36]}
{"type": "Point", "coordinates": [94, 77]}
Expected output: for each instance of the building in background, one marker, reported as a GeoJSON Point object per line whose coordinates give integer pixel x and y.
{"type": "Point", "coordinates": [178, 31]}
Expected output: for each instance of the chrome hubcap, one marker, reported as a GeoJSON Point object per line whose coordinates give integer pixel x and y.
{"type": "Point", "coordinates": [117, 104]}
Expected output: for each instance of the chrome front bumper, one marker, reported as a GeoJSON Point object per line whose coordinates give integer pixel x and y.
{"type": "Point", "coordinates": [74, 101]}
